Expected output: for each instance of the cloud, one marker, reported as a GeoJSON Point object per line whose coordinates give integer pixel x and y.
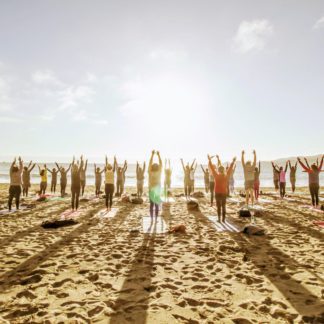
{"type": "Point", "coordinates": [5, 119]}
{"type": "Point", "coordinates": [319, 23]}
{"type": "Point", "coordinates": [72, 96]}
{"type": "Point", "coordinates": [45, 77]}
{"type": "Point", "coordinates": [252, 35]}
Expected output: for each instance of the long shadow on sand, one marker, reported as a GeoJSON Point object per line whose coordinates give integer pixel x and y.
{"type": "Point", "coordinates": [25, 272]}
{"type": "Point", "coordinates": [273, 264]}
{"type": "Point", "coordinates": [133, 298]}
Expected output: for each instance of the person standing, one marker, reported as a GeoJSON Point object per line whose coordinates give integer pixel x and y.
{"type": "Point", "coordinates": [98, 179]}
{"type": "Point", "coordinates": [26, 177]}
{"type": "Point", "coordinates": [140, 175]}
{"type": "Point", "coordinates": [206, 177]}
{"type": "Point", "coordinates": [43, 183]}
{"type": "Point", "coordinates": [154, 172]}
{"type": "Point", "coordinates": [83, 175]}
{"type": "Point", "coordinates": [75, 184]}
{"type": "Point", "coordinates": [221, 179]}
{"type": "Point", "coordinates": [54, 173]}
{"type": "Point", "coordinates": [109, 183]}
{"type": "Point", "coordinates": [15, 173]}
{"type": "Point", "coordinates": [167, 179]}
{"type": "Point", "coordinates": [292, 176]}
{"type": "Point", "coordinates": [63, 180]}
{"type": "Point", "coordinates": [257, 172]}
{"type": "Point", "coordinates": [313, 179]}
{"type": "Point", "coordinates": [248, 169]}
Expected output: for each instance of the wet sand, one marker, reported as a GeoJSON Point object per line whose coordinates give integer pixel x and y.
{"type": "Point", "coordinates": [111, 269]}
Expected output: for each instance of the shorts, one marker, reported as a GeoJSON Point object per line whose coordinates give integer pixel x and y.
{"type": "Point", "coordinates": [249, 184]}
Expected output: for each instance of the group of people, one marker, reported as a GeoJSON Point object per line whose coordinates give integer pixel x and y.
{"type": "Point", "coordinates": [219, 180]}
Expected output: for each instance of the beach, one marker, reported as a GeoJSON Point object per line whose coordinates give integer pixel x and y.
{"type": "Point", "coordinates": [122, 268]}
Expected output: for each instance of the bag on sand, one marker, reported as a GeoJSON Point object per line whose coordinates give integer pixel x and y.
{"type": "Point", "coordinates": [244, 213]}
{"type": "Point", "coordinates": [56, 223]}
{"type": "Point", "coordinates": [136, 200]}
{"type": "Point", "coordinates": [253, 230]}
{"type": "Point", "coordinates": [178, 229]}
{"type": "Point", "coordinates": [192, 204]}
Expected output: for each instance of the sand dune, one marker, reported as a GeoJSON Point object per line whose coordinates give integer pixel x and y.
{"type": "Point", "coordinates": [115, 269]}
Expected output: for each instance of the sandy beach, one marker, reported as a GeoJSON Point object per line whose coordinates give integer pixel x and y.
{"type": "Point", "coordinates": [123, 269]}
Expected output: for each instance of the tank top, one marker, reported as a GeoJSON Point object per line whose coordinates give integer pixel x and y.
{"type": "Point", "coordinates": [44, 176]}
{"type": "Point", "coordinates": [282, 176]}
{"type": "Point", "coordinates": [109, 177]}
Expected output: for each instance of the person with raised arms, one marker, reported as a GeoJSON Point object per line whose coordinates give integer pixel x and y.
{"type": "Point", "coordinates": [248, 169]}
{"type": "Point", "coordinates": [121, 175]}
{"type": "Point", "coordinates": [75, 184]}
{"type": "Point", "coordinates": [257, 172]}
{"type": "Point", "coordinates": [206, 177]}
{"type": "Point", "coordinates": [83, 175]}
{"type": "Point", "coordinates": [26, 177]}
{"type": "Point", "coordinates": [43, 183]}
{"type": "Point", "coordinates": [15, 173]}
{"type": "Point", "coordinates": [186, 171]}
{"type": "Point", "coordinates": [63, 179]}
{"type": "Point", "coordinates": [140, 176]}
{"type": "Point", "coordinates": [154, 173]}
{"type": "Point", "coordinates": [292, 175]}
{"type": "Point", "coordinates": [193, 169]}
{"type": "Point", "coordinates": [109, 182]}
{"type": "Point", "coordinates": [313, 179]}
{"type": "Point", "coordinates": [221, 179]}
{"type": "Point", "coordinates": [98, 179]}
{"type": "Point", "coordinates": [276, 174]}
{"type": "Point", "coordinates": [167, 178]}
{"type": "Point", "coordinates": [54, 173]}
{"type": "Point", "coordinates": [282, 178]}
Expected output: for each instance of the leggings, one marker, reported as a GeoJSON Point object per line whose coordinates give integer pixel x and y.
{"type": "Point", "coordinates": [14, 191]}
{"type": "Point", "coordinates": [187, 188]}
{"type": "Point", "coordinates": [109, 191]}
{"type": "Point", "coordinates": [53, 186]}
{"type": "Point", "coordinates": [25, 190]}
{"type": "Point", "coordinates": [221, 205]}
{"type": "Point", "coordinates": [83, 183]}
{"type": "Point", "coordinates": [314, 189]}
{"type": "Point", "coordinates": [75, 191]}
{"type": "Point", "coordinates": [276, 184]}
{"type": "Point", "coordinates": [63, 187]}
{"type": "Point", "coordinates": [206, 186]}
{"type": "Point", "coordinates": [293, 184]}
{"type": "Point", "coordinates": [212, 191]}
{"type": "Point", "coordinates": [256, 189]}
{"type": "Point", "coordinates": [153, 206]}
{"type": "Point", "coordinates": [42, 187]}
{"type": "Point", "coordinates": [120, 187]}
{"type": "Point", "coordinates": [98, 185]}
{"type": "Point", "coordinates": [282, 186]}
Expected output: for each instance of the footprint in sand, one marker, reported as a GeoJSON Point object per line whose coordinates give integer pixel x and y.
{"type": "Point", "coordinates": [58, 284]}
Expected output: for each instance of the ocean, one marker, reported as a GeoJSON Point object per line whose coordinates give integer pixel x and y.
{"type": "Point", "coordinates": [177, 175]}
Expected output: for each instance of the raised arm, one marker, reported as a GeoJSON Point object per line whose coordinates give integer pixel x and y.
{"type": "Point", "coordinates": [286, 168]}
{"type": "Point", "coordinates": [95, 168]}
{"type": "Point", "coordinates": [242, 159]}
{"type": "Point", "coordinates": [289, 164]}
{"type": "Point", "coordinates": [86, 165]}
{"type": "Point", "coordinates": [125, 166]}
{"type": "Point", "coordinates": [230, 169]}
{"type": "Point", "coordinates": [303, 165]}
{"type": "Point", "coordinates": [68, 169]}
{"type": "Point", "coordinates": [115, 164]}
{"type": "Point", "coordinates": [259, 166]}
{"type": "Point", "coordinates": [254, 158]}
{"type": "Point", "coordinates": [219, 162]}
{"type": "Point", "coordinates": [306, 162]}
{"type": "Point", "coordinates": [48, 170]}
{"type": "Point", "coordinates": [183, 167]}
{"type": "Point", "coordinates": [202, 168]}
{"type": "Point", "coordinates": [31, 168]}
{"type": "Point", "coordinates": [151, 160]}
{"type": "Point", "coordinates": [274, 167]}
{"type": "Point", "coordinates": [211, 167]}
{"type": "Point", "coordinates": [20, 164]}
{"type": "Point", "coordinates": [58, 167]}
{"type": "Point", "coordinates": [12, 164]}
{"type": "Point", "coordinates": [160, 160]}
{"type": "Point", "coordinates": [106, 161]}
{"type": "Point", "coordinates": [144, 166]}
{"type": "Point", "coordinates": [193, 163]}
{"type": "Point", "coordinates": [321, 164]}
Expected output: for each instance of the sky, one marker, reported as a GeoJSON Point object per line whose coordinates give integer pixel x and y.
{"type": "Point", "coordinates": [180, 76]}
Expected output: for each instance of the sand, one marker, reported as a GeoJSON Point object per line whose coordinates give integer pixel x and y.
{"type": "Point", "coordinates": [111, 269]}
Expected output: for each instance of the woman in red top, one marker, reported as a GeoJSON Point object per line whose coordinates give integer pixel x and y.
{"type": "Point", "coordinates": [221, 179]}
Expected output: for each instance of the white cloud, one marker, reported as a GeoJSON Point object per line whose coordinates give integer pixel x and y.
{"type": "Point", "coordinates": [165, 54]}
{"type": "Point", "coordinates": [319, 23]}
{"type": "Point", "coordinates": [5, 119]}
{"type": "Point", "coordinates": [73, 95]}
{"type": "Point", "coordinates": [252, 35]}
{"type": "Point", "coordinates": [45, 77]}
